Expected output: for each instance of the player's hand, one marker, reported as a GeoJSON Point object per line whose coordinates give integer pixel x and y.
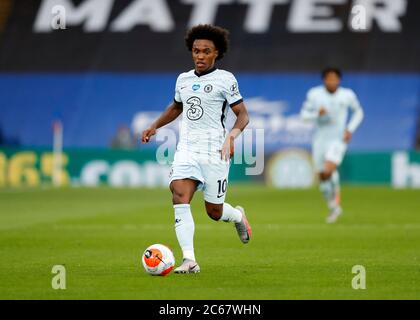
{"type": "Point", "coordinates": [147, 134]}
{"type": "Point", "coordinates": [228, 148]}
{"type": "Point", "coordinates": [347, 136]}
{"type": "Point", "coordinates": [322, 111]}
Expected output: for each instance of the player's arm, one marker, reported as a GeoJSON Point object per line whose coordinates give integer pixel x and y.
{"type": "Point", "coordinates": [356, 117]}
{"type": "Point", "coordinates": [309, 111]}
{"type": "Point", "coordinates": [169, 115]}
{"type": "Point", "coordinates": [242, 120]}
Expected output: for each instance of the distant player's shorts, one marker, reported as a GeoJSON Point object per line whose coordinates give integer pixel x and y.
{"type": "Point", "coordinates": [333, 151]}
{"type": "Point", "coordinates": [209, 170]}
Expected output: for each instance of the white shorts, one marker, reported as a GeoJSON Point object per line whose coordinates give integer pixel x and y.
{"type": "Point", "coordinates": [333, 151]}
{"type": "Point", "coordinates": [211, 172]}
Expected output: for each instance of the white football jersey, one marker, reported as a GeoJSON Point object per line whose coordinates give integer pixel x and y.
{"type": "Point", "coordinates": [332, 125]}
{"type": "Point", "coordinates": [206, 99]}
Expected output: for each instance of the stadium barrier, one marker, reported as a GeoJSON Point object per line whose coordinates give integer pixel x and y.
{"type": "Point", "coordinates": [33, 167]}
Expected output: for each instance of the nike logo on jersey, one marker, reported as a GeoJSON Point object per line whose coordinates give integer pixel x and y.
{"type": "Point", "coordinates": [177, 220]}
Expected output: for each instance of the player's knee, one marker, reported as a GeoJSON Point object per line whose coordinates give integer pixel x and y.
{"type": "Point", "coordinates": [214, 213]}
{"type": "Point", "coordinates": [179, 197]}
{"type": "Point", "coordinates": [325, 175]}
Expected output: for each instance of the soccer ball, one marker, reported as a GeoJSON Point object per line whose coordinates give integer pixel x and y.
{"type": "Point", "coordinates": [158, 260]}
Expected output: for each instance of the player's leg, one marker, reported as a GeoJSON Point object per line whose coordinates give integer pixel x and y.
{"type": "Point", "coordinates": [222, 211]}
{"type": "Point", "coordinates": [185, 179]}
{"type": "Point", "coordinates": [225, 212]}
{"type": "Point", "coordinates": [182, 192]}
{"type": "Point", "coordinates": [324, 168]}
{"type": "Point", "coordinates": [215, 187]}
{"type": "Point", "coordinates": [330, 182]}
{"type": "Point", "coordinates": [326, 183]}
{"type": "Point", "coordinates": [335, 179]}
{"type": "Point", "coordinates": [331, 191]}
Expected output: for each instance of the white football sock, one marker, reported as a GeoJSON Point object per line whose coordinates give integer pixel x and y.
{"type": "Point", "coordinates": [327, 190]}
{"type": "Point", "coordinates": [231, 214]}
{"type": "Point", "coordinates": [184, 229]}
{"type": "Point", "coordinates": [335, 179]}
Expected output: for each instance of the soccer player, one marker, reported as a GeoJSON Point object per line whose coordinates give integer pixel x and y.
{"type": "Point", "coordinates": [328, 107]}
{"type": "Point", "coordinates": [203, 96]}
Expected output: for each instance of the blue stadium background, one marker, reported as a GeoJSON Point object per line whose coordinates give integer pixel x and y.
{"type": "Point", "coordinates": [93, 105]}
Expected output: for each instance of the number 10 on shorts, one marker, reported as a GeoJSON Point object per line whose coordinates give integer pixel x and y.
{"type": "Point", "coordinates": [222, 187]}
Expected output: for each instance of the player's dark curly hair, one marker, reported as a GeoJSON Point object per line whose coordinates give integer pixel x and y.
{"type": "Point", "coordinates": [328, 70]}
{"type": "Point", "coordinates": [218, 35]}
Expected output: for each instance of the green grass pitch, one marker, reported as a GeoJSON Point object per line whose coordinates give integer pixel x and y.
{"type": "Point", "coordinates": [99, 235]}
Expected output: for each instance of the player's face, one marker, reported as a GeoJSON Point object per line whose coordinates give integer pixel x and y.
{"type": "Point", "coordinates": [204, 55]}
{"type": "Point", "coordinates": [331, 81]}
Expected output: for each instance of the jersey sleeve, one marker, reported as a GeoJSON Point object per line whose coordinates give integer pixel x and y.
{"type": "Point", "coordinates": [309, 111]}
{"type": "Point", "coordinates": [357, 112]}
{"type": "Point", "coordinates": [177, 97]}
{"type": "Point", "coordinates": [231, 91]}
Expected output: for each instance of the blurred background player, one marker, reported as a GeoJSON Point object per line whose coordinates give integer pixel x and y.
{"type": "Point", "coordinates": [328, 105]}
{"type": "Point", "coordinates": [203, 153]}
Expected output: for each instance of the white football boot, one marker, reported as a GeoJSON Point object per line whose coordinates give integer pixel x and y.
{"type": "Point", "coordinates": [188, 266]}
{"type": "Point", "coordinates": [243, 227]}
{"type": "Point", "coordinates": [334, 214]}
